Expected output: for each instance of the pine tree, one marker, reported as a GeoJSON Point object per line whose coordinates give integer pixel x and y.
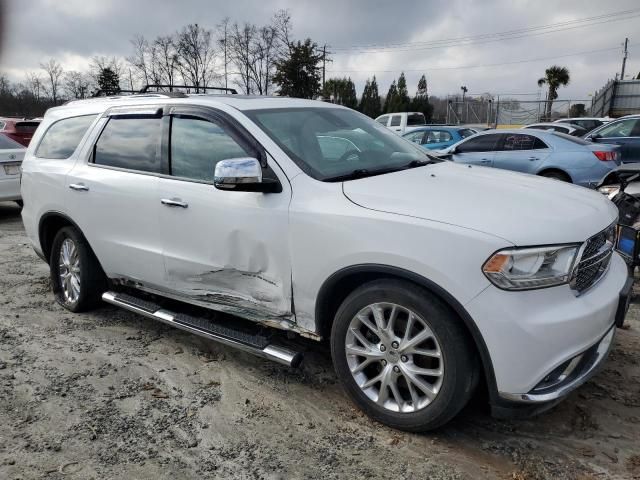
{"type": "Point", "coordinates": [366, 98]}
{"type": "Point", "coordinates": [403, 102]}
{"type": "Point", "coordinates": [341, 91]}
{"type": "Point", "coordinates": [298, 74]}
{"type": "Point", "coordinates": [108, 81]}
{"type": "Point", "coordinates": [375, 107]}
{"type": "Point", "coordinates": [420, 102]}
{"type": "Point", "coordinates": [390, 100]}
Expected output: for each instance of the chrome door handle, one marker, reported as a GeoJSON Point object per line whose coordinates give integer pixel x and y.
{"type": "Point", "coordinates": [79, 187]}
{"type": "Point", "coordinates": [174, 202]}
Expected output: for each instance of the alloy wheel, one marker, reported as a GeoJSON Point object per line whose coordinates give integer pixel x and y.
{"type": "Point", "coordinates": [69, 270]}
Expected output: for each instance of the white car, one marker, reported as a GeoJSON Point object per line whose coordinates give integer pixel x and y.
{"type": "Point", "coordinates": [11, 155]}
{"type": "Point", "coordinates": [588, 123]}
{"type": "Point", "coordinates": [426, 277]}
{"type": "Point", "coordinates": [402, 122]}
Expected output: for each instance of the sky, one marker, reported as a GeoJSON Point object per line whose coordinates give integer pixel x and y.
{"type": "Point", "coordinates": [366, 37]}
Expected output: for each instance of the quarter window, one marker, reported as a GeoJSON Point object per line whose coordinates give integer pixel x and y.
{"type": "Point", "coordinates": [383, 120]}
{"type": "Point", "coordinates": [197, 145]}
{"type": "Point", "coordinates": [438, 136]}
{"type": "Point", "coordinates": [62, 138]}
{"type": "Point", "coordinates": [132, 143]}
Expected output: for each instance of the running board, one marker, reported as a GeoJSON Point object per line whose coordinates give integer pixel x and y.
{"type": "Point", "coordinates": [256, 344]}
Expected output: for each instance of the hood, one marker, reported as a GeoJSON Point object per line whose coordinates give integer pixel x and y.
{"type": "Point", "coordinates": [522, 209]}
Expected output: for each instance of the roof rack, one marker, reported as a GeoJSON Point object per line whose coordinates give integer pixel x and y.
{"type": "Point", "coordinates": [146, 88]}
{"type": "Point", "coordinates": [105, 93]}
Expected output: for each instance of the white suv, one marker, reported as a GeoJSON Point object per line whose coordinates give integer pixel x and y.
{"type": "Point", "coordinates": [426, 277]}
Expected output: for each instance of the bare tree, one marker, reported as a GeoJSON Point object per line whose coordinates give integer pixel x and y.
{"type": "Point", "coordinates": [196, 55]}
{"type": "Point", "coordinates": [54, 73]}
{"type": "Point", "coordinates": [76, 84]}
{"type": "Point", "coordinates": [165, 56]}
{"type": "Point", "coordinates": [34, 84]}
{"type": "Point", "coordinates": [283, 27]}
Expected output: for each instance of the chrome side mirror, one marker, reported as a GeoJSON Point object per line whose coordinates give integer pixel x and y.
{"type": "Point", "coordinates": [243, 175]}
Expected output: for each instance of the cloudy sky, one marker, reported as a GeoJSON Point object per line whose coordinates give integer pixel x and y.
{"type": "Point", "coordinates": [449, 41]}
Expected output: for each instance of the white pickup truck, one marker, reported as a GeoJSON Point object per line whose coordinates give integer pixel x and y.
{"type": "Point", "coordinates": [402, 122]}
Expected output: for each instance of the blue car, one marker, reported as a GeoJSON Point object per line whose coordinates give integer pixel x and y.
{"type": "Point", "coordinates": [625, 132]}
{"type": "Point", "coordinates": [539, 152]}
{"type": "Point", "coordinates": [437, 137]}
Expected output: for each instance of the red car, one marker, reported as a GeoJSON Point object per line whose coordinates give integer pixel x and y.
{"type": "Point", "coordinates": [19, 129]}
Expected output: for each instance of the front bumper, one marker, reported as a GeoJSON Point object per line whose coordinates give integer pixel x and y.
{"type": "Point", "coordinates": [531, 334]}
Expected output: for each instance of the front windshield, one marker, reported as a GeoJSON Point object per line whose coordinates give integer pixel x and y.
{"type": "Point", "coordinates": [331, 143]}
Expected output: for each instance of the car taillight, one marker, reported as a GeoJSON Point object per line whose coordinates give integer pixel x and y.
{"type": "Point", "coordinates": [606, 156]}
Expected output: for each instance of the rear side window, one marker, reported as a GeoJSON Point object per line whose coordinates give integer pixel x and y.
{"type": "Point", "coordinates": [132, 143]}
{"type": "Point", "coordinates": [482, 143]}
{"type": "Point", "coordinates": [415, 119]}
{"type": "Point", "coordinates": [62, 138]}
{"type": "Point", "coordinates": [522, 142]}
{"type": "Point", "coordinates": [197, 145]}
{"type": "Point", "coordinates": [395, 121]}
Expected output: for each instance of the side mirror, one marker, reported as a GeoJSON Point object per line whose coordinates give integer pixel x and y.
{"type": "Point", "coordinates": [595, 137]}
{"type": "Point", "coordinates": [243, 175]}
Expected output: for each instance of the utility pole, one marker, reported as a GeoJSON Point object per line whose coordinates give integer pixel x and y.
{"type": "Point", "coordinates": [247, 69]}
{"type": "Point", "coordinates": [624, 58]}
{"type": "Point", "coordinates": [324, 61]}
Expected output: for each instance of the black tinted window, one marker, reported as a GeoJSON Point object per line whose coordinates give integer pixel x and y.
{"type": "Point", "coordinates": [395, 121]}
{"type": "Point", "coordinates": [132, 143]}
{"type": "Point", "coordinates": [415, 119]}
{"type": "Point", "coordinates": [62, 138]}
{"type": "Point", "coordinates": [197, 145]}
{"type": "Point", "coordinates": [521, 142]}
{"type": "Point", "coordinates": [482, 143]}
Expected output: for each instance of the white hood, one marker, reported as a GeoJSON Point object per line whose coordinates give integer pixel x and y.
{"type": "Point", "coordinates": [523, 209]}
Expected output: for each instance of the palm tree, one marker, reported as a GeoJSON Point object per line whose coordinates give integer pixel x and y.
{"type": "Point", "coordinates": [554, 77]}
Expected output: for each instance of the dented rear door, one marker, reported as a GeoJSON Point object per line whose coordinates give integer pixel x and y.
{"type": "Point", "coordinates": [227, 249]}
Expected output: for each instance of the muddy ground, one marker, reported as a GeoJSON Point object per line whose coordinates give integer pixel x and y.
{"type": "Point", "coordinates": [109, 394]}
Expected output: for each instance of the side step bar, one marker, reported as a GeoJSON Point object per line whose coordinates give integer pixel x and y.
{"type": "Point", "coordinates": [257, 344]}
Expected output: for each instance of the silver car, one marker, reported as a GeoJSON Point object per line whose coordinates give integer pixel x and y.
{"type": "Point", "coordinates": [539, 152]}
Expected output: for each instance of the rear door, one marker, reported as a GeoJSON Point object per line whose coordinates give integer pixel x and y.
{"type": "Point", "coordinates": [113, 195]}
{"type": "Point", "coordinates": [229, 249]}
{"type": "Point", "coordinates": [520, 152]}
{"type": "Point", "coordinates": [626, 133]}
{"type": "Point", "coordinates": [478, 150]}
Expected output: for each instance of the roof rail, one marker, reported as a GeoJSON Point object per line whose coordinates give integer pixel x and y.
{"type": "Point", "coordinates": [146, 88]}
{"type": "Point", "coordinates": [105, 93]}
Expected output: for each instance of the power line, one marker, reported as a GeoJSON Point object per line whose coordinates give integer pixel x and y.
{"type": "Point", "coordinates": [486, 65]}
{"type": "Point", "coordinates": [492, 37]}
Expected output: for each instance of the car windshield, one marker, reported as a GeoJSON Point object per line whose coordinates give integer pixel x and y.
{"type": "Point", "coordinates": [333, 144]}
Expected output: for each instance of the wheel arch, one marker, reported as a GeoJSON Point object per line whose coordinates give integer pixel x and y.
{"type": "Point", "coordinates": [50, 223]}
{"type": "Point", "coordinates": [555, 169]}
{"type": "Point", "coordinates": [338, 286]}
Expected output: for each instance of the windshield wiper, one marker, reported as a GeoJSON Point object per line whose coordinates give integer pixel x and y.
{"type": "Point", "coordinates": [358, 173]}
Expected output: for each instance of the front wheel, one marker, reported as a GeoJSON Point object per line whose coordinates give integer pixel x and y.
{"type": "Point", "coordinates": [402, 355]}
{"type": "Point", "coordinates": [76, 275]}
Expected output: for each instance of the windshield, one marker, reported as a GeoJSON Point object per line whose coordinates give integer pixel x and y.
{"type": "Point", "coordinates": [330, 143]}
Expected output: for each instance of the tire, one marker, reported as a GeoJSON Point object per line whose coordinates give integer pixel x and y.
{"type": "Point", "coordinates": [555, 175]}
{"type": "Point", "coordinates": [89, 278]}
{"type": "Point", "coordinates": [457, 362]}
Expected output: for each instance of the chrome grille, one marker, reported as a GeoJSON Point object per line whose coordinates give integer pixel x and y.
{"type": "Point", "coordinates": [594, 260]}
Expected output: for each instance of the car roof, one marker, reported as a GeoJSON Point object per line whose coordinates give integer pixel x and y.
{"type": "Point", "coordinates": [426, 128]}
{"type": "Point", "coordinates": [239, 102]}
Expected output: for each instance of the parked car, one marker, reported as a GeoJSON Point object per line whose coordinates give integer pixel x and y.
{"type": "Point", "coordinates": [624, 132]}
{"type": "Point", "coordinates": [434, 138]}
{"type": "Point", "coordinates": [538, 152]}
{"type": "Point", "coordinates": [426, 277]}
{"type": "Point", "coordinates": [402, 122]}
{"type": "Point", "coordinates": [18, 130]}
{"type": "Point", "coordinates": [568, 128]}
{"type": "Point", "coordinates": [588, 123]}
{"type": "Point", "coordinates": [11, 155]}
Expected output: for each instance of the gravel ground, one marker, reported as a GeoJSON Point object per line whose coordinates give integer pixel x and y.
{"type": "Point", "coordinates": [109, 394]}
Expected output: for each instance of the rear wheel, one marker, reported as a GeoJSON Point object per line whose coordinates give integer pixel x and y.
{"type": "Point", "coordinates": [556, 175]}
{"type": "Point", "coordinates": [76, 276]}
{"type": "Point", "coordinates": [402, 355]}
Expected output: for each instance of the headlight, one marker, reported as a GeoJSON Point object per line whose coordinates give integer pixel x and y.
{"type": "Point", "coordinates": [529, 268]}
{"type": "Point", "coordinates": [609, 190]}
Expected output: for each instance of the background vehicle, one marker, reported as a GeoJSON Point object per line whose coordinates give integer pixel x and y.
{"type": "Point", "coordinates": [433, 138]}
{"type": "Point", "coordinates": [568, 128]}
{"type": "Point", "coordinates": [539, 152]}
{"type": "Point", "coordinates": [624, 132]}
{"type": "Point", "coordinates": [312, 218]}
{"type": "Point", "coordinates": [20, 131]}
{"type": "Point", "coordinates": [588, 123]}
{"type": "Point", "coordinates": [402, 122]}
{"type": "Point", "coordinates": [11, 155]}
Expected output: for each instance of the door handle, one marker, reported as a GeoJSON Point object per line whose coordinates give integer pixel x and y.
{"type": "Point", "coordinates": [485, 160]}
{"type": "Point", "coordinates": [174, 202]}
{"type": "Point", "coordinates": [79, 187]}
{"type": "Point", "coordinates": [531, 159]}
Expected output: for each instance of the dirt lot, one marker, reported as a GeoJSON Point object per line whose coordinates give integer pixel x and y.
{"type": "Point", "coordinates": [113, 395]}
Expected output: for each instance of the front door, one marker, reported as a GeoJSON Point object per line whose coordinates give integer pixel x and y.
{"type": "Point", "coordinates": [477, 150]}
{"type": "Point", "coordinates": [226, 249]}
